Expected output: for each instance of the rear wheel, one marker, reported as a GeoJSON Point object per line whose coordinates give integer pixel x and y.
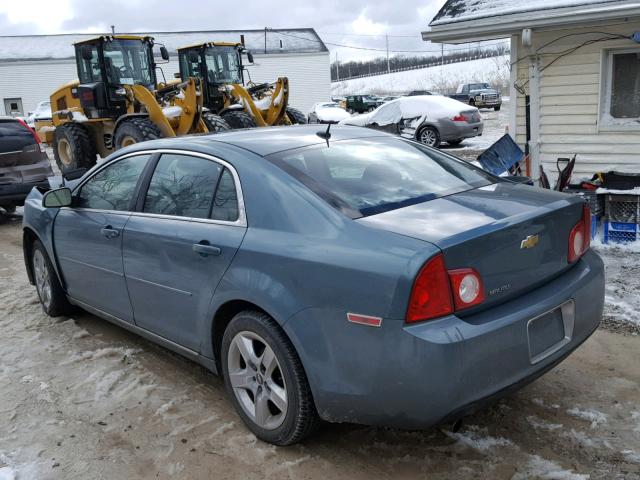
{"type": "Point", "coordinates": [497, 109]}
{"type": "Point", "coordinates": [215, 123]}
{"type": "Point", "coordinates": [266, 380]}
{"type": "Point", "coordinates": [239, 119]}
{"type": "Point", "coordinates": [455, 143]}
{"type": "Point", "coordinates": [52, 298]}
{"type": "Point", "coordinates": [296, 117]}
{"type": "Point", "coordinates": [135, 130]}
{"type": "Point", "coordinates": [429, 136]}
{"type": "Point", "coordinates": [73, 147]}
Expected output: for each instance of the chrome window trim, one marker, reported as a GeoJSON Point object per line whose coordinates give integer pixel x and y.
{"type": "Point", "coordinates": [242, 215]}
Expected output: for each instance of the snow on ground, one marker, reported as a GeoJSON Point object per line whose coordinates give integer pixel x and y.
{"type": "Point", "coordinates": [438, 79]}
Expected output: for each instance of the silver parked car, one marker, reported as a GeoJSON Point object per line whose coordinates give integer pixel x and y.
{"type": "Point", "coordinates": [429, 119]}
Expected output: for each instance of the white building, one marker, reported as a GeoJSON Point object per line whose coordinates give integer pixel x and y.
{"type": "Point", "coordinates": [578, 64]}
{"type": "Point", "coordinates": [33, 66]}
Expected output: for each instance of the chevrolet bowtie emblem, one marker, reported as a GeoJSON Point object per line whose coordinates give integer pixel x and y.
{"type": "Point", "coordinates": [530, 242]}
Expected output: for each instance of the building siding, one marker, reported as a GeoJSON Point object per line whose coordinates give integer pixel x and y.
{"type": "Point", "coordinates": [308, 73]}
{"type": "Point", "coordinates": [569, 95]}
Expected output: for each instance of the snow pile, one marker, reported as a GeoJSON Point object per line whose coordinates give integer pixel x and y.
{"type": "Point", "coordinates": [595, 417]}
{"type": "Point", "coordinates": [173, 111]}
{"type": "Point", "coordinates": [540, 468]}
{"type": "Point", "coordinates": [330, 112]}
{"type": "Point", "coordinates": [478, 439]}
{"type": "Point", "coordinates": [441, 79]}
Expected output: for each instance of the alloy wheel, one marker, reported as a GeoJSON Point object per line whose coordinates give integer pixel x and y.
{"type": "Point", "coordinates": [42, 278]}
{"type": "Point", "coordinates": [257, 381]}
{"type": "Point", "coordinates": [428, 137]}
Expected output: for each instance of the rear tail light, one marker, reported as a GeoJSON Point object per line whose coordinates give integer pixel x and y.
{"type": "Point", "coordinates": [459, 118]}
{"type": "Point", "coordinates": [438, 292]}
{"type": "Point", "coordinates": [467, 288]}
{"type": "Point", "coordinates": [33, 132]}
{"type": "Point", "coordinates": [431, 294]}
{"type": "Point", "coordinates": [580, 236]}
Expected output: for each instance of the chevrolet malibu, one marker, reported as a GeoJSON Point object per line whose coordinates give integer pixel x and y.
{"type": "Point", "coordinates": [345, 276]}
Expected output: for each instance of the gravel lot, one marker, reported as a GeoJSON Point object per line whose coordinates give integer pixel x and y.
{"type": "Point", "coordinates": [81, 398]}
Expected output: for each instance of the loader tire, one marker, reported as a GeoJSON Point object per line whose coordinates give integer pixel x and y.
{"type": "Point", "coordinates": [73, 147]}
{"type": "Point", "coordinates": [296, 117]}
{"type": "Point", "coordinates": [215, 123]}
{"type": "Point", "coordinates": [238, 119]}
{"type": "Point", "coordinates": [135, 130]}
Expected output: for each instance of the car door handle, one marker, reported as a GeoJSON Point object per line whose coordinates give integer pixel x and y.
{"type": "Point", "coordinates": [204, 249]}
{"type": "Point", "coordinates": [110, 232]}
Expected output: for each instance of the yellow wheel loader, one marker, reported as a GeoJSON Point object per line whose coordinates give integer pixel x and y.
{"type": "Point", "coordinates": [219, 65]}
{"type": "Point", "coordinates": [117, 102]}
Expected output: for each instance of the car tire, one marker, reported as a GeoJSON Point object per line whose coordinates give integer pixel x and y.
{"type": "Point", "coordinates": [215, 123]}
{"type": "Point", "coordinates": [429, 136]}
{"type": "Point", "coordinates": [256, 337]}
{"type": "Point", "coordinates": [237, 119]}
{"type": "Point", "coordinates": [9, 209]}
{"type": "Point", "coordinates": [296, 117]}
{"type": "Point", "coordinates": [455, 143]}
{"type": "Point", "coordinates": [497, 109]}
{"type": "Point", "coordinates": [135, 130]}
{"type": "Point", "coordinates": [73, 147]}
{"type": "Point", "coordinates": [351, 111]}
{"type": "Point", "coordinates": [472, 102]}
{"type": "Point", "coordinates": [52, 297]}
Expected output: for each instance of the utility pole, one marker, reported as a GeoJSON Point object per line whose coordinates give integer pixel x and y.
{"type": "Point", "coordinates": [265, 40]}
{"type": "Point", "coordinates": [387, 42]}
{"type": "Point", "coordinates": [337, 67]}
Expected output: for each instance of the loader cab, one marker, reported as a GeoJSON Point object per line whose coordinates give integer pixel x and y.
{"type": "Point", "coordinates": [107, 64]}
{"type": "Point", "coordinates": [217, 64]}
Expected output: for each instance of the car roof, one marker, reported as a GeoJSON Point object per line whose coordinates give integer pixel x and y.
{"type": "Point", "coordinates": [268, 140]}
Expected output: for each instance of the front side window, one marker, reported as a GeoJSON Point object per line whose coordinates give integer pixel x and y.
{"type": "Point", "coordinates": [182, 186]}
{"type": "Point", "coordinates": [88, 70]}
{"type": "Point", "coordinates": [621, 105]}
{"type": "Point", "coordinates": [367, 177]}
{"type": "Point", "coordinates": [113, 187]}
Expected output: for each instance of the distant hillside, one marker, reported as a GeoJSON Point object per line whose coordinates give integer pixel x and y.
{"type": "Point", "coordinates": [440, 79]}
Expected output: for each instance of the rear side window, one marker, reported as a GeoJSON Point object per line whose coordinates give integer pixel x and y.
{"type": "Point", "coordinates": [182, 186]}
{"type": "Point", "coordinates": [225, 203]}
{"type": "Point", "coordinates": [14, 136]}
{"type": "Point", "coordinates": [370, 176]}
{"type": "Point", "coordinates": [112, 188]}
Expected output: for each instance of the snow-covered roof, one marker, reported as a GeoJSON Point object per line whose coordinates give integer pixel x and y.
{"type": "Point", "coordinates": [40, 47]}
{"type": "Point", "coordinates": [464, 10]}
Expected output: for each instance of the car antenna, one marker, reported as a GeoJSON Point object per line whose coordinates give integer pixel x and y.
{"type": "Point", "coordinates": [326, 135]}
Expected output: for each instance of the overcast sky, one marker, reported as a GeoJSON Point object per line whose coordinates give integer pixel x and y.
{"type": "Point", "coordinates": [347, 22]}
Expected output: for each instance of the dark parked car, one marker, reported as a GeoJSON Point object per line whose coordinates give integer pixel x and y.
{"type": "Point", "coordinates": [429, 119]}
{"type": "Point", "coordinates": [357, 277]}
{"type": "Point", "coordinates": [361, 103]}
{"type": "Point", "coordinates": [479, 95]}
{"type": "Point", "coordinates": [23, 164]}
{"type": "Point", "coordinates": [415, 93]}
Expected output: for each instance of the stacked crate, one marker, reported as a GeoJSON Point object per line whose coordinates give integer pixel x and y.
{"type": "Point", "coordinates": [621, 218]}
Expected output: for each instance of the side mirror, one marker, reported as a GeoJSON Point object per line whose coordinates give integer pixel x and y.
{"type": "Point", "coordinates": [250, 57]}
{"type": "Point", "coordinates": [164, 53]}
{"type": "Point", "coordinates": [87, 52]}
{"type": "Point", "coordinates": [177, 75]}
{"type": "Point", "coordinates": [60, 197]}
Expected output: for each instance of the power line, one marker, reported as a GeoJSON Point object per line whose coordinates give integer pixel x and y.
{"type": "Point", "coordinates": [342, 45]}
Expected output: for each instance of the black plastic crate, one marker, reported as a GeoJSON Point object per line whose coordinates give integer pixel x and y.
{"type": "Point", "coordinates": [595, 201]}
{"type": "Point", "coordinates": [622, 208]}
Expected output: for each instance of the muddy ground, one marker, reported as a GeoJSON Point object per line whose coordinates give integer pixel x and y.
{"type": "Point", "coordinates": [83, 399]}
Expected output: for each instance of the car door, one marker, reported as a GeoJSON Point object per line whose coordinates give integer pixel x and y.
{"type": "Point", "coordinates": [178, 245]}
{"type": "Point", "coordinates": [88, 236]}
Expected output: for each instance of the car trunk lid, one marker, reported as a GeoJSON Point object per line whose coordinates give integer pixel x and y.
{"type": "Point", "coordinates": [514, 236]}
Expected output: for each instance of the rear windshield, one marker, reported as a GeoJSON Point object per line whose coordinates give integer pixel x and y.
{"type": "Point", "coordinates": [370, 176]}
{"type": "Point", "coordinates": [14, 136]}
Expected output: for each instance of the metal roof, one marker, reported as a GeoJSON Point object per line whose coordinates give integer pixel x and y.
{"type": "Point", "coordinates": [272, 41]}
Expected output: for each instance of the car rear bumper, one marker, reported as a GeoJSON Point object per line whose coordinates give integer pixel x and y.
{"type": "Point", "coordinates": [450, 130]}
{"type": "Point", "coordinates": [421, 375]}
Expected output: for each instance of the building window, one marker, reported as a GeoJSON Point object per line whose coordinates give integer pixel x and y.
{"type": "Point", "coordinates": [620, 104]}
